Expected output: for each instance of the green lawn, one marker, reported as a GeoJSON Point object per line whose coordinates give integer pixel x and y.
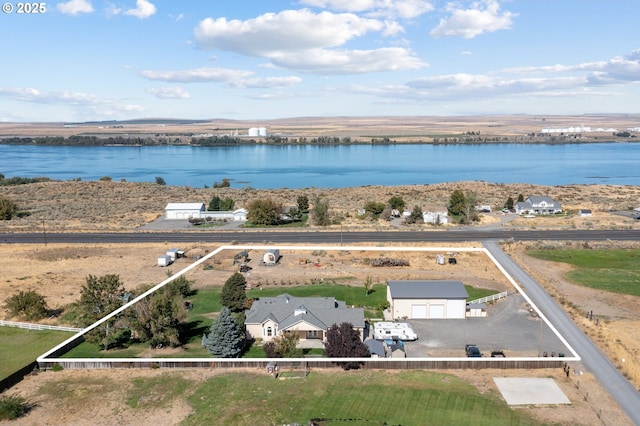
{"type": "Point", "coordinates": [354, 398]}
{"type": "Point", "coordinates": [617, 271]}
{"type": "Point", "coordinates": [19, 347]}
{"type": "Point", "coordinates": [206, 303]}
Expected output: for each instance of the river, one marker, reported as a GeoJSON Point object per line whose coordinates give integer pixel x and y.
{"type": "Point", "coordinates": [334, 166]}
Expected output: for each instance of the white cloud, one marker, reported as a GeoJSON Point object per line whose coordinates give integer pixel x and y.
{"type": "Point", "coordinates": [389, 8]}
{"type": "Point", "coordinates": [199, 75]}
{"type": "Point", "coordinates": [303, 41]}
{"type": "Point", "coordinates": [324, 61]}
{"type": "Point", "coordinates": [483, 16]}
{"type": "Point", "coordinates": [169, 92]}
{"type": "Point", "coordinates": [266, 82]}
{"type": "Point", "coordinates": [143, 9]}
{"type": "Point", "coordinates": [75, 7]}
{"type": "Point", "coordinates": [287, 31]}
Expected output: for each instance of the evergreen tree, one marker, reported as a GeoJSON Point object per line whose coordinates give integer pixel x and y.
{"type": "Point", "coordinates": [233, 294]}
{"type": "Point", "coordinates": [457, 202]}
{"type": "Point", "coordinates": [223, 340]}
{"type": "Point", "coordinates": [509, 204]}
{"type": "Point", "coordinates": [344, 342]}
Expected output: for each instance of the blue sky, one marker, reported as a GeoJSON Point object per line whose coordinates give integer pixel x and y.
{"type": "Point", "coordinates": [204, 59]}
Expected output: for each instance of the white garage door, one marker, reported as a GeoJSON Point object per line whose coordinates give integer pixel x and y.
{"type": "Point", "coordinates": [419, 311]}
{"type": "Point", "coordinates": [436, 311]}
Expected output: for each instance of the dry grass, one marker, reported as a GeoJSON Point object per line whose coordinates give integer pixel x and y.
{"type": "Point", "coordinates": [113, 206]}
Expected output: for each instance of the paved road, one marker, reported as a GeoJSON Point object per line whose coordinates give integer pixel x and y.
{"type": "Point", "coordinates": [318, 237]}
{"type": "Point", "coordinates": [593, 359]}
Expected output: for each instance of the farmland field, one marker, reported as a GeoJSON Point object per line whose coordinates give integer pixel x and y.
{"type": "Point", "coordinates": [617, 271]}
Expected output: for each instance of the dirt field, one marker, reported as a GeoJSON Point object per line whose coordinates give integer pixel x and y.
{"type": "Point", "coordinates": [365, 128]}
{"type": "Point", "coordinates": [58, 271]}
{"type": "Point", "coordinates": [115, 206]}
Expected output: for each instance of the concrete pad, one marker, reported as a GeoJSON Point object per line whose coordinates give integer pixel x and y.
{"type": "Point", "coordinates": [530, 391]}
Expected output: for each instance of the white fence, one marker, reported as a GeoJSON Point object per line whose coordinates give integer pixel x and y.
{"type": "Point", "coordinates": [490, 298]}
{"type": "Point", "coordinates": [30, 326]}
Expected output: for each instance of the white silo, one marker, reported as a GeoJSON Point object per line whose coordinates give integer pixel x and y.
{"type": "Point", "coordinates": [262, 131]}
{"type": "Point", "coordinates": [254, 131]}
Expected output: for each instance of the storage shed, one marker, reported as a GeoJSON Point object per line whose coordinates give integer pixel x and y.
{"type": "Point", "coordinates": [427, 299]}
{"type": "Point", "coordinates": [271, 257]}
{"type": "Point", "coordinates": [164, 260]}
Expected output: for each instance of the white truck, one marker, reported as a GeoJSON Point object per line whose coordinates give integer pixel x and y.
{"type": "Point", "coordinates": [385, 330]}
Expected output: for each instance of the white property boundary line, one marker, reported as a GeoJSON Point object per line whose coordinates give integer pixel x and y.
{"type": "Point", "coordinates": [44, 357]}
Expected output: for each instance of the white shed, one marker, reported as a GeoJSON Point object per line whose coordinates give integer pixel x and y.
{"type": "Point", "coordinates": [183, 210]}
{"type": "Point", "coordinates": [427, 299]}
{"type": "Point", "coordinates": [164, 260]}
{"type": "Point", "coordinates": [271, 257]}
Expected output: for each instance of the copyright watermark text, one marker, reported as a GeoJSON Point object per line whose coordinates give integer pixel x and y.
{"type": "Point", "coordinates": [24, 8]}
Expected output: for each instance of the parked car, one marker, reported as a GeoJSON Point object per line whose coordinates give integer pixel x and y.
{"type": "Point", "coordinates": [472, 351]}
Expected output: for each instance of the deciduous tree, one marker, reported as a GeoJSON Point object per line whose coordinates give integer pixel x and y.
{"type": "Point", "coordinates": [397, 203]}
{"type": "Point", "coordinates": [320, 213]}
{"type": "Point", "coordinates": [264, 212]}
{"type": "Point", "coordinates": [223, 340]}
{"type": "Point", "coordinates": [344, 342]}
{"type": "Point", "coordinates": [98, 297]}
{"type": "Point", "coordinates": [303, 203]}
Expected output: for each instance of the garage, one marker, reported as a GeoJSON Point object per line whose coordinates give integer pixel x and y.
{"type": "Point", "coordinates": [436, 312]}
{"type": "Point", "coordinates": [183, 210]}
{"type": "Point", "coordinates": [427, 299]}
{"type": "Point", "coordinates": [419, 311]}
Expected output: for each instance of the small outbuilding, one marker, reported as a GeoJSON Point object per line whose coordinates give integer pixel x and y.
{"type": "Point", "coordinates": [427, 299]}
{"type": "Point", "coordinates": [584, 212]}
{"type": "Point", "coordinates": [271, 257]}
{"type": "Point", "coordinates": [164, 260]}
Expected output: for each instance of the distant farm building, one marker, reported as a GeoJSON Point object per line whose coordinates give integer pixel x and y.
{"type": "Point", "coordinates": [183, 210]}
{"type": "Point", "coordinates": [258, 132]}
{"type": "Point", "coordinates": [197, 210]}
{"type": "Point", "coordinates": [427, 299]}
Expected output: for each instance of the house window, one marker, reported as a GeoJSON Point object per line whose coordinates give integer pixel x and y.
{"type": "Point", "coordinates": [269, 331]}
{"type": "Point", "coordinates": [312, 334]}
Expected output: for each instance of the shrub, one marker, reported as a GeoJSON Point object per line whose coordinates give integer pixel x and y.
{"type": "Point", "coordinates": [29, 305]}
{"type": "Point", "coordinates": [7, 208]}
{"type": "Point", "coordinates": [160, 180]}
{"type": "Point", "coordinates": [12, 407]}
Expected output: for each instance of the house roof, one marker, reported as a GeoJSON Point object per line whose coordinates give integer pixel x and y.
{"type": "Point", "coordinates": [427, 289]}
{"type": "Point", "coordinates": [287, 311]}
{"type": "Point", "coordinates": [185, 206]}
{"type": "Point", "coordinates": [375, 347]}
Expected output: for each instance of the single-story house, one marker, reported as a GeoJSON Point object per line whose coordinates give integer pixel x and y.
{"type": "Point", "coordinates": [584, 212]}
{"type": "Point", "coordinates": [538, 205]}
{"type": "Point", "coordinates": [310, 317]}
{"type": "Point", "coordinates": [427, 299]}
{"type": "Point", "coordinates": [183, 210]}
